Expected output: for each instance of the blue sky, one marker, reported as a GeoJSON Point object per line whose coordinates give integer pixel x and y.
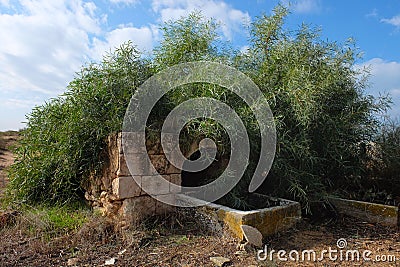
{"type": "Point", "coordinates": [43, 43]}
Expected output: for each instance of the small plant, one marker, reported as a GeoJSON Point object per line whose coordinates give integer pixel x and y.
{"type": "Point", "coordinates": [47, 222]}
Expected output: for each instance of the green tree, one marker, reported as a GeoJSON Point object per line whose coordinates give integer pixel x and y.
{"type": "Point", "coordinates": [63, 138]}
{"type": "Point", "coordinates": [318, 99]}
{"type": "Point", "coordinates": [319, 102]}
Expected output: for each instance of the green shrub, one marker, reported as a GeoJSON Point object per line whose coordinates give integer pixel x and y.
{"type": "Point", "coordinates": [318, 99]}
{"type": "Point", "coordinates": [320, 107]}
{"type": "Point", "coordinates": [389, 141]}
{"type": "Point", "coordinates": [382, 159]}
{"type": "Point", "coordinates": [63, 138]}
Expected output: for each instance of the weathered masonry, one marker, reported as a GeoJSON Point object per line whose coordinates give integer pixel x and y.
{"type": "Point", "coordinates": [117, 195]}
{"type": "Point", "coordinates": [115, 192]}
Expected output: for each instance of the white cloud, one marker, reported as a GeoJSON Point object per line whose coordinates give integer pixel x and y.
{"type": "Point", "coordinates": [16, 103]}
{"type": "Point", "coordinates": [385, 78]}
{"type": "Point", "coordinates": [125, 2]}
{"type": "Point", "coordinates": [231, 20]}
{"type": "Point", "coordinates": [48, 41]}
{"type": "Point", "coordinates": [372, 14]}
{"type": "Point", "coordinates": [395, 21]}
{"type": "Point", "coordinates": [384, 73]}
{"type": "Point", "coordinates": [305, 6]}
{"type": "Point", "coordinates": [5, 3]}
{"type": "Point", "coordinates": [244, 49]}
{"type": "Point", "coordinates": [142, 37]}
{"type": "Point", "coordinates": [45, 43]}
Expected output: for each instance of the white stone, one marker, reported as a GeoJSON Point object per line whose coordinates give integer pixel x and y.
{"type": "Point", "coordinates": [110, 261]}
{"type": "Point", "coordinates": [125, 187]}
{"type": "Point", "coordinates": [73, 262]}
{"type": "Point", "coordinates": [220, 261]}
{"type": "Point", "coordinates": [133, 142]}
{"type": "Point", "coordinates": [252, 235]}
{"type": "Point", "coordinates": [155, 185]}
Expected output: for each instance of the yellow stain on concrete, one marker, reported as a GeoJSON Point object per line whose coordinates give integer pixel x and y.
{"type": "Point", "coordinates": [268, 221]}
{"type": "Point", "coordinates": [371, 212]}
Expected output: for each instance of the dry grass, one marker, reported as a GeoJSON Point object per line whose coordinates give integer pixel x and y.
{"type": "Point", "coordinates": [180, 239]}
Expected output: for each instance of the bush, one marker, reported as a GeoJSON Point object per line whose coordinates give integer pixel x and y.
{"type": "Point", "coordinates": [63, 138]}
{"type": "Point", "coordinates": [321, 110]}
{"type": "Point", "coordinates": [382, 182]}
{"type": "Point", "coordinates": [389, 141]}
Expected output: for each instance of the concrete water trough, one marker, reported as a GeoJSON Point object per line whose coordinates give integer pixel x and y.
{"type": "Point", "coordinates": [367, 211]}
{"type": "Point", "coordinates": [270, 220]}
{"type": "Point", "coordinates": [118, 193]}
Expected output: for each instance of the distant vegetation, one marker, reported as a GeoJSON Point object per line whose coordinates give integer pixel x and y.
{"type": "Point", "coordinates": [4, 144]}
{"type": "Point", "coordinates": [382, 182]}
{"type": "Point", "coordinates": [322, 113]}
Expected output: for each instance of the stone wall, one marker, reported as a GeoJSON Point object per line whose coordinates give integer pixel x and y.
{"type": "Point", "coordinates": [115, 192]}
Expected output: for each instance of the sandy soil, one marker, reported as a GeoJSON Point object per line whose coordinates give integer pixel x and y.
{"type": "Point", "coordinates": [187, 246]}
{"type": "Point", "coordinates": [6, 156]}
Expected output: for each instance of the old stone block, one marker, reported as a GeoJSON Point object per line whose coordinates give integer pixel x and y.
{"type": "Point", "coordinates": [175, 179]}
{"type": "Point", "coordinates": [125, 187]}
{"type": "Point", "coordinates": [153, 146]}
{"type": "Point", "coordinates": [137, 208]}
{"type": "Point", "coordinates": [267, 221]}
{"type": "Point", "coordinates": [139, 165]}
{"type": "Point", "coordinates": [133, 142]}
{"type": "Point", "coordinates": [154, 185]}
{"type": "Point", "coordinates": [252, 235]}
{"type": "Point", "coordinates": [171, 169]}
{"type": "Point", "coordinates": [176, 156]}
{"type": "Point", "coordinates": [123, 169]}
{"type": "Point", "coordinates": [160, 163]}
{"type": "Point", "coordinates": [119, 143]}
{"type": "Point", "coordinates": [170, 142]}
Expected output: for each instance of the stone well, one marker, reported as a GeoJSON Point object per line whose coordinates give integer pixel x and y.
{"type": "Point", "coordinates": [115, 193]}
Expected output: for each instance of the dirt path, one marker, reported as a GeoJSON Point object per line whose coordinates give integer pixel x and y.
{"type": "Point", "coordinates": [7, 140]}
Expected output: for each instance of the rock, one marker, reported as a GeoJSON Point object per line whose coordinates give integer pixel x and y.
{"type": "Point", "coordinates": [110, 261]}
{"type": "Point", "coordinates": [241, 252]}
{"type": "Point", "coordinates": [125, 187]}
{"type": "Point", "coordinates": [72, 262]}
{"type": "Point", "coordinates": [220, 261]}
{"type": "Point", "coordinates": [252, 235]}
{"type": "Point", "coordinates": [122, 252]}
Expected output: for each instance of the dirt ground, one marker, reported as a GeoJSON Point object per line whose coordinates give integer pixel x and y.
{"type": "Point", "coordinates": [182, 240]}
{"type": "Point", "coordinates": [7, 140]}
